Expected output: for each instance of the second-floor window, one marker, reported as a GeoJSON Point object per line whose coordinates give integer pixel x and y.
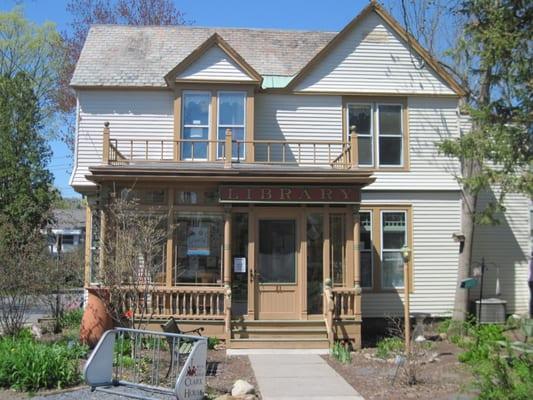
{"type": "Point", "coordinates": [232, 115]}
{"type": "Point", "coordinates": [379, 128]}
{"type": "Point", "coordinates": [196, 117]}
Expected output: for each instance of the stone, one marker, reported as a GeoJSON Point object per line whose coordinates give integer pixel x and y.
{"type": "Point", "coordinates": [36, 332]}
{"type": "Point", "coordinates": [230, 397]}
{"type": "Point", "coordinates": [241, 388]}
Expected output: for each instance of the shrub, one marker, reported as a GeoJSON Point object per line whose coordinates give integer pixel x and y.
{"type": "Point", "coordinates": [28, 365]}
{"type": "Point", "coordinates": [500, 371]}
{"type": "Point", "coordinates": [389, 347]}
{"type": "Point", "coordinates": [212, 342]}
{"type": "Point", "coordinates": [341, 353]}
{"type": "Point", "coordinates": [72, 318]}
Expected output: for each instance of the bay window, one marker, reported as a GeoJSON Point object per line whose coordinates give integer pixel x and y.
{"type": "Point", "coordinates": [380, 133]}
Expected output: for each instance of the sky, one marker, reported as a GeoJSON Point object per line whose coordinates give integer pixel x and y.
{"type": "Point", "coordinates": [322, 15]}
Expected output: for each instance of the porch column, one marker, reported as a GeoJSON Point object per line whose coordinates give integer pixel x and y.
{"type": "Point", "coordinates": [227, 245]}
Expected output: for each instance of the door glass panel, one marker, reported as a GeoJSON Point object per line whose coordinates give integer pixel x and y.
{"type": "Point", "coordinates": [277, 251]}
{"type": "Point", "coordinates": [337, 240]}
{"type": "Point", "coordinates": [315, 272]}
{"type": "Point", "coordinates": [239, 252]}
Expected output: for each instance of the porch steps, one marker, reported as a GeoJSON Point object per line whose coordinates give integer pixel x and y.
{"type": "Point", "coordinates": [279, 334]}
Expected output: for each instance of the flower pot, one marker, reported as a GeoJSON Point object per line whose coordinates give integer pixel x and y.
{"type": "Point", "coordinates": [96, 320]}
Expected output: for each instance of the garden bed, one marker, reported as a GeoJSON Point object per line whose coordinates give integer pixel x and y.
{"type": "Point", "coordinates": [443, 378]}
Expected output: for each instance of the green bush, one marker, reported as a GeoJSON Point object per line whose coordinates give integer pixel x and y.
{"type": "Point", "coordinates": [212, 342]}
{"type": "Point", "coordinates": [28, 365]}
{"type": "Point", "coordinates": [389, 347]}
{"type": "Point", "coordinates": [341, 353]}
{"type": "Point", "coordinates": [72, 319]}
{"type": "Point", "coordinates": [501, 373]}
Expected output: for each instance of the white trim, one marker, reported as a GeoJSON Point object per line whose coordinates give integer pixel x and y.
{"type": "Point", "coordinates": [77, 129]}
{"type": "Point", "coordinates": [381, 250]}
{"type": "Point", "coordinates": [378, 135]}
{"type": "Point", "coordinates": [208, 126]}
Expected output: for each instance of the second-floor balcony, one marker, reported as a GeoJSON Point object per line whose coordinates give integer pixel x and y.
{"type": "Point", "coordinates": [321, 153]}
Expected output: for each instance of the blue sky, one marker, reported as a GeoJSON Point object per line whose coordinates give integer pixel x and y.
{"type": "Point", "coordinates": [282, 14]}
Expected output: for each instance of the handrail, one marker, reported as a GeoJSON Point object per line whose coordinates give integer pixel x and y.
{"type": "Point", "coordinates": [328, 311]}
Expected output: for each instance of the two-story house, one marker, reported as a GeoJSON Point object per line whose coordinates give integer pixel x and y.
{"type": "Point", "coordinates": [295, 167]}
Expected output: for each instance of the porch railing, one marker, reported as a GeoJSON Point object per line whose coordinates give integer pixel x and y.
{"type": "Point", "coordinates": [161, 302]}
{"type": "Point", "coordinates": [332, 153]}
{"type": "Point", "coordinates": [340, 303]}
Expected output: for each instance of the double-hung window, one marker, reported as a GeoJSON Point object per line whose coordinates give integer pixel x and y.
{"type": "Point", "coordinates": [390, 133]}
{"type": "Point", "coordinates": [232, 115]}
{"type": "Point", "coordinates": [393, 238]}
{"type": "Point", "coordinates": [196, 116]}
{"type": "Point", "coordinates": [379, 128]}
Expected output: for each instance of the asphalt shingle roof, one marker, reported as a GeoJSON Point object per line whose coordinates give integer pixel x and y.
{"type": "Point", "coordinates": [118, 55]}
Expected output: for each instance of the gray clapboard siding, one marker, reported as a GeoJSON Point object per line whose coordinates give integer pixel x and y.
{"type": "Point", "coordinates": [372, 59]}
{"type": "Point", "coordinates": [214, 64]}
{"type": "Point", "coordinates": [436, 216]}
{"type": "Point", "coordinates": [132, 115]}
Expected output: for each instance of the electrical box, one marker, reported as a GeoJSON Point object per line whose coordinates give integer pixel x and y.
{"type": "Point", "coordinates": [493, 311]}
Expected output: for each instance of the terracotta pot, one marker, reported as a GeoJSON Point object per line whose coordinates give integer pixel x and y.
{"type": "Point", "coordinates": [96, 320]}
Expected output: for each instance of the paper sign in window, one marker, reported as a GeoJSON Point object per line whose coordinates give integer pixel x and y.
{"type": "Point", "coordinates": [198, 241]}
{"type": "Point", "coordinates": [239, 264]}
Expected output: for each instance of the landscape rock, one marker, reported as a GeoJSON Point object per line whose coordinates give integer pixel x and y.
{"type": "Point", "coordinates": [230, 397]}
{"type": "Point", "coordinates": [241, 388]}
{"type": "Point", "coordinates": [36, 331]}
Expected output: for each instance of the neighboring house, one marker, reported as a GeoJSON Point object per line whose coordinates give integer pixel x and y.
{"type": "Point", "coordinates": [69, 228]}
{"type": "Point", "coordinates": [290, 161]}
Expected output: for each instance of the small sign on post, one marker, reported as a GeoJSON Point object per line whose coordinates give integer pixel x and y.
{"type": "Point", "coordinates": [190, 384]}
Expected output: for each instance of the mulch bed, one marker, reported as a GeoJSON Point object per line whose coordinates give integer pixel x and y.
{"type": "Point", "coordinates": [444, 379]}
{"type": "Point", "coordinates": [223, 371]}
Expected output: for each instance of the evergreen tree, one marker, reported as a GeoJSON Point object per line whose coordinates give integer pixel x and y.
{"type": "Point", "coordinates": [26, 191]}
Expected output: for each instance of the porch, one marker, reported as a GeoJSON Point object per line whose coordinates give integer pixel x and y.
{"type": "Point", "coordinates": [262, 254]}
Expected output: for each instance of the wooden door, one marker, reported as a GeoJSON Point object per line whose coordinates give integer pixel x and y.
{"type": "Point", "coordinates": [278, 262]}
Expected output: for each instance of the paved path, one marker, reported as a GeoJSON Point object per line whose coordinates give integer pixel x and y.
{"type": "Point", "coordinates": [299, 377]}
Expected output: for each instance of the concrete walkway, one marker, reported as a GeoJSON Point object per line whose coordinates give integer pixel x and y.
{"type": "Point", "coordinates": [299, 377]}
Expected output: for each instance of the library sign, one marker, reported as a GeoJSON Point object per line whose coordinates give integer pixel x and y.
{"type": "Point", "coordinates": [290, 194]}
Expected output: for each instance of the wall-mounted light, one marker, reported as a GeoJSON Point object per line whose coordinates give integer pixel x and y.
{"type": "Point", "coordinates": [406, 253]}
{"type": "Point", "coordinates": [458, 237]}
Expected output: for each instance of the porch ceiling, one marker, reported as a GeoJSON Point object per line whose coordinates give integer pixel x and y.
{"type": "Point", "coordinates": [215, 172]}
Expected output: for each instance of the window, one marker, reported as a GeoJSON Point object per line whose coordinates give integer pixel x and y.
{"type": "Point", "coordinates": [365, 248]}
{"type": "Point", "coordinates": [360, 117]}
{"type": "Point", "coordinates": [390, 135]}
{"type": "Point", "coordinates": [337, 253]}
{"type": "Point", "coordinates": [379, 130]}
{"type": "Point", "coordinates": [231, 115]}
{"type": "Point", "coordinates": [315, 260]}
{"type": "Point", "coordinates": [393, 238]}
{"type": "Point", "coordinates": [198, 242]}
{"type": "Point", "coordinates": [195, 133]}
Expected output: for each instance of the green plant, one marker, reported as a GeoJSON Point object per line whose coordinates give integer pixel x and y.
{"type": "Point", "coordinates": [444, 325]}
{"type": "Point", "coordinates": [28, 365]}
{"type": "Point", "coordinates": [389, 347]}
{"type": "Point", "coordinates": [341, 353]}
{"type": "Point", "coordinates": [72, 318]}
{"type": "Point", "coordinates": [212, 342]}
{"type": "Point", "coordinates": [501, 371]}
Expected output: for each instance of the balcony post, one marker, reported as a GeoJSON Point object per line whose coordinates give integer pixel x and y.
{"type": "Point", "coordinates": [227, 149]}
{"type": "Point", "coordinates": [105, 144]}
{"type": "Point", "coordinates": [353, 147]}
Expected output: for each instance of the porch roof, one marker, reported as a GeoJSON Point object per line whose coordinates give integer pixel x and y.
{"type": "Point", "coordinates": [215, 172]}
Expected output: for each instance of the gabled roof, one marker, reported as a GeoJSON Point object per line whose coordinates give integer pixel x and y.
{"type": "Point", "coordinates": [214, 40]}
{"type": "Point", "coordinates": [398, 29]}
{"type": "Point", "coordinates": [141, 56]}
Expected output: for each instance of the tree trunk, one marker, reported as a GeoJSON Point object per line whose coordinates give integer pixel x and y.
{"type": "Point", "coordinates": [470, 169]}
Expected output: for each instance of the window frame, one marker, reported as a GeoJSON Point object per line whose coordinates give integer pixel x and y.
{"type": "Point", "coordinates": [383, 250]}
{"type": "Point", "coordinates": [219, 125]}
{"type": "Point", "coordinates": [185, 126]}
{"type": "Point", "coordinates": [371, 250]}
{"type": "Point", "coordinates": [379, 135]}
{"type": "Point", "coordinates": [371, 135]}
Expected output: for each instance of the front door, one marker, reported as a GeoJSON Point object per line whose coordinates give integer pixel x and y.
{"type": "Point", "coordinates": [276, 272]}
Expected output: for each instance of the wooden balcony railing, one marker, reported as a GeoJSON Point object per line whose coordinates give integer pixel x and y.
{"type": "Point", "coordinates": [346, 303]}
{"type": "Point", "coordinates": [332, 153]}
